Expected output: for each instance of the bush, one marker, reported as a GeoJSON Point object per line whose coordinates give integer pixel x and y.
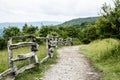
{"type": "Point", "coordinates": [76, 41]}
{"type": "Point", "coordinates": [3, 43]}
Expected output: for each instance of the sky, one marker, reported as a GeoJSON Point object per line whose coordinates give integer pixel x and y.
{"type": "Point", "coordinates": [48, 10]}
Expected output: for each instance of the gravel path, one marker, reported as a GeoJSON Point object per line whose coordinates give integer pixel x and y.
{"type": "Point", "coordinates": [71, 65]}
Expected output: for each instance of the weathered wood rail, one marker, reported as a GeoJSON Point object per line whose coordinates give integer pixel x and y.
{"type": "Point", "coordinates": [51, 43]}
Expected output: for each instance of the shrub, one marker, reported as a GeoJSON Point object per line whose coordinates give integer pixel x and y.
{"type": "Point", "coordinates": [3, 43]}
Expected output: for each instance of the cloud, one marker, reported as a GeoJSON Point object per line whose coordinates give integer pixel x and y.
{"type": "Point", "coordinates": [55, 10]}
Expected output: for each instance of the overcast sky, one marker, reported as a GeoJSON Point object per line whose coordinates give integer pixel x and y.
{"type": "Point", "coordinates": [48, 10]}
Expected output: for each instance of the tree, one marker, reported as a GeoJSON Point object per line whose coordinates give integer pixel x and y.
{"type": "Point", "coordinates": [89, 33]}
{"type": "Point", "coordinates": [11, 31]}
{"type": "Point", "coordinates": [25, 28]}
{"type": "Point", "coordinates": [44, 31]}
{"type": "Point", "coordinates": [108, 23]}
{"type": "Point", "coordinates": [29, 29]}
{"type": "Point", "coordinates": [54, 33]}
{"type": "Point", "coordinates": [32, 29]}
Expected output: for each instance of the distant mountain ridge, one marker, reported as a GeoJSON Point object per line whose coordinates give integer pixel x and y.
{"type": "Point", "coordinates": [21, 24]}
{"type": "Point", "coordinates": [79, 21]}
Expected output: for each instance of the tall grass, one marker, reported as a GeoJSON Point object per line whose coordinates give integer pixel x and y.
{"type": "Point", "coordinates": [105, 56]}
{"type": "Point", "coordinates": [31, 74]}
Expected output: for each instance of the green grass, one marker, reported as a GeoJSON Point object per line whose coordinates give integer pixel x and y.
{"type": "Point", "coordinates": [76, 41]}
{"type": "Point", "coordinates": [33, 73]}
{"type": "Point", "coordinates": [105, 56]}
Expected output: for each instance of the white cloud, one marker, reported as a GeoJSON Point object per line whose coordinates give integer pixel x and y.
{"type": "Point", "coordinates": [55, 10]}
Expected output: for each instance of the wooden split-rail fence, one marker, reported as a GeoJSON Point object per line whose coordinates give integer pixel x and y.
{"type": "Point", "coordinates": [51, 43]}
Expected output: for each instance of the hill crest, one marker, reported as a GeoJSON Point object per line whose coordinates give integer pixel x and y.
{"type": "Point", "coordinates": [79, 21]}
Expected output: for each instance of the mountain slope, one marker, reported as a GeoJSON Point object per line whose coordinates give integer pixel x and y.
{"type": "Point", "coordinates": [79, 21]}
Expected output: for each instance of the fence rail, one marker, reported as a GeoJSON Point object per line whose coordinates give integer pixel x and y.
{"type": "Point", "coordinates": [51, 43]}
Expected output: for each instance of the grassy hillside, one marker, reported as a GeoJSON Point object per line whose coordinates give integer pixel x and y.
{"type": "Point", "coordinates": [31, 74]}
{"type": "Point", "coordinates": [105, 56]}
{"type": "Point", "coordinates": [79, 21]}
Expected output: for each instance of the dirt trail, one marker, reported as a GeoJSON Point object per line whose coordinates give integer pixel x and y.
{"type": "Point", "coordinates": [71, 65]}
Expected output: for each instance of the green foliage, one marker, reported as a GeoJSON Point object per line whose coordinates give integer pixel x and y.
{"type": "Point", "coordinates": [11, 31]}
{"type": "Point", "coordinates": [76, 41]}
{"type": "Point", "coordinates": [108, 24]}
{"type": "Point", "coordinates": [3, 43]}
{"type": "Point", "coordinates": [25, 28]}
{"type": "Point", "coordinates": [80, 21]}
{"type": "Point", "coordinates": [71, 31]}
{"type": "Point", "coordinates": [45, 30]}
{"type": "Point", "coordinates": [54, 33]}
{"type": "Point", "coordinates": [29, 29]}
{"type": "Point", "coordinates": [89, 33]}
{"type": "Point", "coordinates": [105, 56]}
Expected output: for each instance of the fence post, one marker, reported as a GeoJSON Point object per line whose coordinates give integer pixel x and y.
{"type": "Point", "coordinates": [11, 76]}
{"type": "Point", "coordinates": [51, 46]}
{"type": "Point", "coordinates": [33, 48]}
{"type": "Point", "coordinates": [61, 42]}
{"type": "Point", "coordinates": [10, 64]}
{"type": "Point", "coordinates": [55, 39]}
{"type": "Point", "coordinates": [47, 45]}
{"type": "Point", "coordinates": [71, 41]}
